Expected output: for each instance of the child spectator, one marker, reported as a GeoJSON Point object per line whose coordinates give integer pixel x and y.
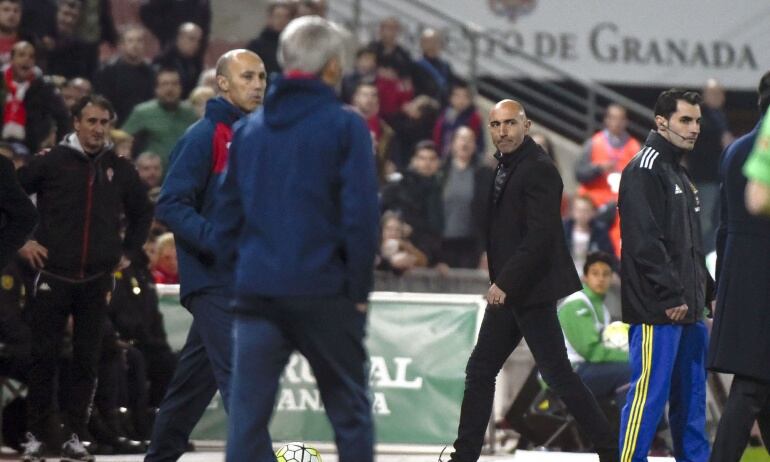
{"type": "Point", "coordinates": [166, 270]}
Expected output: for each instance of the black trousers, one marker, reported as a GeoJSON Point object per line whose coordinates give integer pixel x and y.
{"type": "Point", "coordinates": [53, 300]}
{"type": "Point", "coordinates": [749, 400]}
{"type": "Point", "coordinates": [502, 329]}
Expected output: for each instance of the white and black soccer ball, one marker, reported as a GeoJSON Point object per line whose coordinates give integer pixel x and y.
{"type": "Point", "coordinates": [298, 452]}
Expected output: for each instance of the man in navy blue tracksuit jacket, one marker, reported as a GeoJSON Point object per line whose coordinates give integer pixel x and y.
{"type": "Point", "coordinates": [186, 205]}
{"type": "Point", "coordinates": [300, 203]}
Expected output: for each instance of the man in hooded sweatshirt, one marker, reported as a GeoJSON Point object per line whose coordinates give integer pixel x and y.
{"type": "Point", "coordinates": [82, 189]}
{"type": "Point", "coordinates": [186, 205]}
{"type": "Point", "coordinates": [299, 202]}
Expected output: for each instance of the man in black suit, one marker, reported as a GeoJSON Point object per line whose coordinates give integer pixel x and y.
{"type": "Point", "coordinates": [739, 341]}
{"type": "Point", "coordinates": [530, 269]}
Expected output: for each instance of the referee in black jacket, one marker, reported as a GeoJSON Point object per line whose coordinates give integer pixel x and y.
{"type": "Point", "coordinates": [665, 286]}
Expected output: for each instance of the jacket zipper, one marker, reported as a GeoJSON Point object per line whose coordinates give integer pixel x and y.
{"type": "Point", "coordinates": [89, 204]}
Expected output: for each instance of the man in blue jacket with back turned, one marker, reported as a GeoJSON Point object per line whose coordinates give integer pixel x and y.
{"type": "Point", "coordinates": [300, 203]}
{"type": "Point", "coordinates": [186, 205]}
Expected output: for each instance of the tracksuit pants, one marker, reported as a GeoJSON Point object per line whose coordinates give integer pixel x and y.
{"type": "Point", "coordinates": [667, 365]}
{"type": "Point", "coordinates": [204, 366]}
{"type": "Point", "coordinates": [51, 303]}
{"type": "Point", "coordinates": [329, 332]}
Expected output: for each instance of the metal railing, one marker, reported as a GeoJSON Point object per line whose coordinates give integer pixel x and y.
{"type": "Point", "coordinates": [568, 103]}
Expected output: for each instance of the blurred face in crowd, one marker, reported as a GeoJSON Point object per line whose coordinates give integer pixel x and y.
{"type": "Point", "coordinates": [312, 7]}
{"type": "Point", "coordinates": [460, 99]}
{"type": "Point", "coordinates": [366, 63]}
{"type": "Point", "coordinates": [463, 145]}
{"type": "Point", "coordinates": [92, 127]}
{"type": "Point", "coordinates": [67, 18]}
{"type": "Point", "coordinates": [23, 61]}
{"type": "Point", "coordinates": [392, 229]}
{"type": "Point", "coordinates": [75, 90]}
{"type": "Point", "coordinates": [168, 88]}
{"type": "Point", "coordinates": [713, 94]}
{"type": "Point", "coordinates": [389, 30]}
{"type": "Point", "coordinates": [10, 17]}
{"type": "Point", "coordinates": [598, 278]}
{"type": "Point", "coordinates": [133, 45]}
{"type": "Point", "coordinates": [615, 120]}
{"type": "Point", "coordinates": [683, 127]}
{"type": "Point", "coordinates": [430, 42]}
{"type": "Point", "coordinates": [124, 148]}
{"type": "Point", "coordinates": [188, 40]}
{"type": "Point", "coordinates": [167, 259]}
{"type": "Point", "coordinates": [150, 170]}
{"type": "Point", "coordinates": [583, 211]}
{"type": "Point", "coordinates": [279, 18]}
{"type": "Point", "coordinates": [425, 162]}
{"type": "Point", "coordinates": [244, 81]}
{"type": "Point", "coordinates": [367, 100]}
{"type": "Point", "coordinates": [508, 124]}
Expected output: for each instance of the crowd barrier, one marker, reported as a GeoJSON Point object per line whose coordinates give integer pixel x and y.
{"type": "Point", "coordinates": [418, 346]}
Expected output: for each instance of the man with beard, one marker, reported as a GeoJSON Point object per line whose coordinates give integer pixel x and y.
{"type": "Point", "coordinates": [530, 269]}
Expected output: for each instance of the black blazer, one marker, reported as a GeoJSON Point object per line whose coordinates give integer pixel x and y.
{"type": "Point", "coordinates": [527, 254]}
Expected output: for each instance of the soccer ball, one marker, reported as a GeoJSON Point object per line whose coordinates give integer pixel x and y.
{"type": "Point", "coordinates": [615, 335]}
{"type": "Point", "coordinates": [298, 452]}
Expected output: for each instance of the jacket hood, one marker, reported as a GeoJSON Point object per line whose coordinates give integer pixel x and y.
{"type": "Point", "coordinates": [290, 99]}
{"type": "Point", "coordinates": [71, 141]}
{"type": "Point", "coordinates": [219, 110]}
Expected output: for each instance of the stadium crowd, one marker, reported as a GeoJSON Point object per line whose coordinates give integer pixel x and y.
{"type": "Point", "coordinates": [428, 138]}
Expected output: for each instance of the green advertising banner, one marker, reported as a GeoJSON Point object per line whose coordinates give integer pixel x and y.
{"type": "Point", "coordinates": [418, 346]}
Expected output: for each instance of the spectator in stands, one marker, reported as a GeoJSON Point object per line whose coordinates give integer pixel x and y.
{"type": "Point", "coordinates": [265, 45]}
{"type": "Point", "coordinates": [412, 124]}
{"type": "Point", "coordinates": [603, 159]}
{"type": "Point", "coordinates": [163, 19]}
{"type": "Point", "coordinates": [366, 101]}
{"type": "Point", "coordinates": [135, 313]}
{"type": "Point", "coordinates": [123, 143]}
{"type": "Point", "coordinates": [160, 122]}
{"type": "Point", "coordinates": [432, 74]}
{"type": "Point", "coordinates": [397, 253]}
{"type": "Point", "coordinates": [395, 91]}
{"type": "Point", "coordinates": [198, 98]}
{"type": "Point", "coordinates": [703, 161]}
{"type": "Point", "coordinates": [388, 49]}
{"type": "Point", "coordinates": [65, 54]}
{"type": "Point", "coordinates": [461, 112]}
{"type": "Point", "coordinates": [417, 197]}
{"type": "Point", "coordinates": [10, 28]}
{"type": "Point", "coordinates": [95, 27]}
{"type": "Point", "coordinates": [75, 274]}
{"type": "Point", "coordinates": [74, 90]}
{"type": "Point", "coordinates": [208, 78]}
{"type": "Point", "coordinates": [365, 71]}
{"type": "Point", "coordinates": [150, 169]}
{"type": "Point", "coordinates": [312, 8]}
{"type": "Point", "coordinates": [30, 101]}
{"type": "Point", "coordinates": [466, 186]}
{"type": "Point", "coordinates": [166, 269]}
{"type": "Point", "coordinates": [600, 359]}
{"type": "Point", "coordinates": [185, 56]}
{"type": "Point", "coordinates": [583, 233]}
{"type": "Point", "coordinates": [128, 79]}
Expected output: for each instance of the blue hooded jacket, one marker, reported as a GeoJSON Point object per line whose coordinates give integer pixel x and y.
{"type": "Point", "coordinates": [187, 199]}
{"type": "Point", "coordinates": [299, 201]}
